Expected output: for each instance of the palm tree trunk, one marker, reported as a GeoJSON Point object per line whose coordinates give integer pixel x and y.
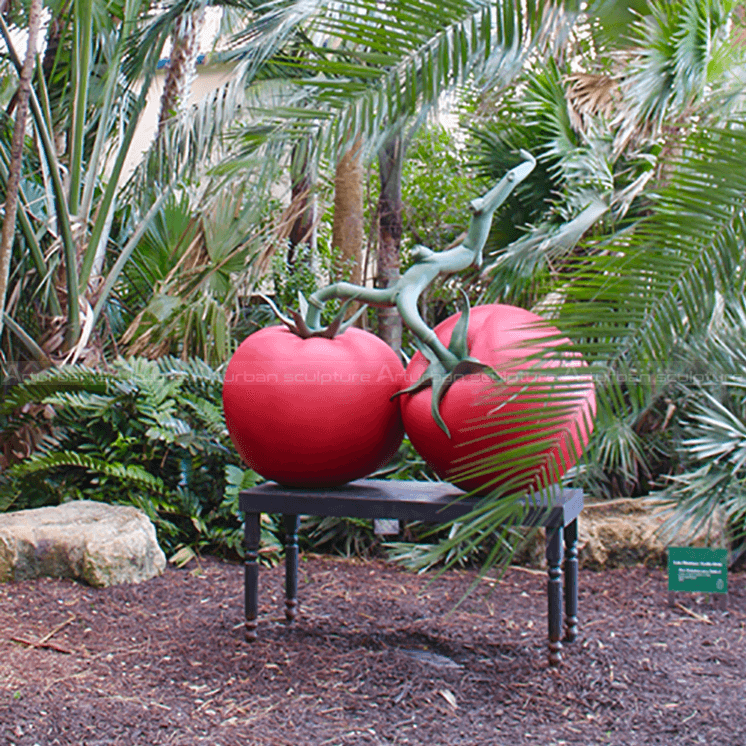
{"type": "Point", "coordinates": [390, 159]}
{"type": "Point", "coordinates": [303, 229]}
{"type": "Point", "coordinates": [16, 155]}
{"type": "Point", "coordinates": [347, 228]}
{"type": "Point", "coordinates": [182, 66]}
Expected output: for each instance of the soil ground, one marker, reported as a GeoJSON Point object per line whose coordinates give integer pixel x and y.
{"type": "Point", "coordinates": [378, 656]}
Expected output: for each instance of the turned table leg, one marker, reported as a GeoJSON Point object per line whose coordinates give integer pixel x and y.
{"type": "Point", "coordinates": [292, 524]}
{"type": "Point", "coordinates": [554, 594]}
{"type": "Point", "coordinates": [571, 581]}
{"type": "Point", "coordinates": [251, 574]}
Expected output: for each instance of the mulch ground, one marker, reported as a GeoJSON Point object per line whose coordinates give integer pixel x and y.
{"type": "Point", "coordinates": [378, 656]}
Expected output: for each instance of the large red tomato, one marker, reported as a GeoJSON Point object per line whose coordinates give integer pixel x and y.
{"type": "Point", "coordinates": [547, 420]}
{"type": "Point", "coordinates": [313, 412]}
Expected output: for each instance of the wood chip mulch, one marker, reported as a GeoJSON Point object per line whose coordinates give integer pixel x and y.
{"type": "Point", "coordinates": [377, 656]}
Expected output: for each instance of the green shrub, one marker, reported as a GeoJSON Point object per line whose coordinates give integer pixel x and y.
{"type": "Point", "coordinates": [138, 432]}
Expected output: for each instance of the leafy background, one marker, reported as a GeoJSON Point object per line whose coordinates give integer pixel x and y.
{"type": "Point", "coordinates": [124, 297]}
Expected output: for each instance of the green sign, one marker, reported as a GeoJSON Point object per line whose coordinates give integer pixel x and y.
{"type": "Point", "coordinates": [697, 569]}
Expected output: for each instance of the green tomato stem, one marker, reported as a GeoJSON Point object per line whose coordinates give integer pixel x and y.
{"type": "Point", "coordinates": [428, 264]}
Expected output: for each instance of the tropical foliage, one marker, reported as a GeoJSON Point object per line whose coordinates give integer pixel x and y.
{"type": "Point", "coordinates": [138, 432]}
{"type": "Point", "coordinates": [709, 447]}
{"type": "Point", "coordinates": [181, 292]}
{"type": "Point", "coordinates": [629, 234]}
{"type": "Point", "coordinates": [360, 68]}
{"type": "Point", "coordinates": [78, 276]}
{"type": "Point", "coordinates": [619, 138]}
{"type": "Point", "coordinates": [83, 102]}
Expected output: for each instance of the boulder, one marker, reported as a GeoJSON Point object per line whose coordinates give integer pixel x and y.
{"type": "Point", "coordinates": [621, 533]}
{"type": "Point", "coordinates": [96, 543]}
{"type": "Point", "coordinates": [630, 531]}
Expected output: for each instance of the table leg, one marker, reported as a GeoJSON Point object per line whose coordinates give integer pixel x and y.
{"type": "Point", "coordinates": [251, 574]}
{"type": "Point", "coordinates": [292, 524]}
{"type": "Point", "coordinates": [554, 593]}
{"type": "Point", "coordinates": [571, 581]}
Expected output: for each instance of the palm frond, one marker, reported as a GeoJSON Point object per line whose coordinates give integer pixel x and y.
{"type": "Point", "coordinates": [711, 390]}
{"type": "Point", "coordinates": [703, 498]}
{"type": "Point", "coordinates": [660, 271]}
{"type": "Point", "coordinates": [366, 66]}
{"type": "Point", "coordinates": [681, 50]}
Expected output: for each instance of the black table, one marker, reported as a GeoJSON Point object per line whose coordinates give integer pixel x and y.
{"type": "Point", "coordinates": [432, 502]}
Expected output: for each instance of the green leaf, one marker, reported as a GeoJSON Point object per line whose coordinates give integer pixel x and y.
{"type": "Point", "coordinates": [132, 474]}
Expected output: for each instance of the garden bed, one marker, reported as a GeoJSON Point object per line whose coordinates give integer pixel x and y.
{"type": "Point", "coordinates": [378, 656]}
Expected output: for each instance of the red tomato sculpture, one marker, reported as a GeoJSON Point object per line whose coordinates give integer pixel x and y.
{"type": "Point", "coordinates": [527, 416]}
{"type": "Point", "coordinates": [313, 412]}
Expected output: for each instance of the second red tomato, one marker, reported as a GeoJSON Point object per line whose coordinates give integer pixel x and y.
{"type": "Point", "coordinates": [523, 432]}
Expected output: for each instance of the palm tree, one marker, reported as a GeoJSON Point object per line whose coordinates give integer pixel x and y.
{"type": "Point", "coordinates": [99, 66]}
{"type": "Point", "coordinates": [182, 62]}
{"type": "Point", "coordinates": [619, 267]}
{"type": "Point", "coordinates": [603, 135]}
{"type": "Point", "coordinates": [354, 73]}
{"type": "Point", "coordinates": [361, 69]}
{"type": "Point", "coordinates": [79, 222]}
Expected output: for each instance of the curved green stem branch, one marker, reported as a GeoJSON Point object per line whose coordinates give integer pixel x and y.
{"type": "Point", "coordinates": [445, 363]}
{"type": "Point", "coordinates": [405, 293]}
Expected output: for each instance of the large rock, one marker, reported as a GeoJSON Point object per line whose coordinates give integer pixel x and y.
{"type": "Point", "coordinates": [99, 544]}
{"type": "Point", "coordinates": [623, 532]}
{"type": "Point", "coordinates": [630, 531]}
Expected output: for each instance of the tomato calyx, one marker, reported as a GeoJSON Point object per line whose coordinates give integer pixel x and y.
{"type": "Point", "coordinates": [297, 323]}
{"type": "Point", "coordinates": [443, 371]}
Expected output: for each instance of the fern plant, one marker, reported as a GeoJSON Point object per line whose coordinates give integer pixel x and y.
{"type": "Point", "coordinates": [140, 432]}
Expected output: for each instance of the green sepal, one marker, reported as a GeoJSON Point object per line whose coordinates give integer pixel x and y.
{"type": "Point", "coordinates": [297, 324]}
{"type": "Point", "coordinates": [280, 317]}
{"type": "Point", "coordinates": [458, 345]}
{"type": "Point", "coordinates": [302, 304]}
{"type": "Point", "coordinates": [441, 379]}
{"type": "Point", "coordinates": [355, 316]}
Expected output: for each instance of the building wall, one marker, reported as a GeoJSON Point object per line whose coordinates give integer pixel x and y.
{"type": "Point", "coordinates": [209, 77]}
